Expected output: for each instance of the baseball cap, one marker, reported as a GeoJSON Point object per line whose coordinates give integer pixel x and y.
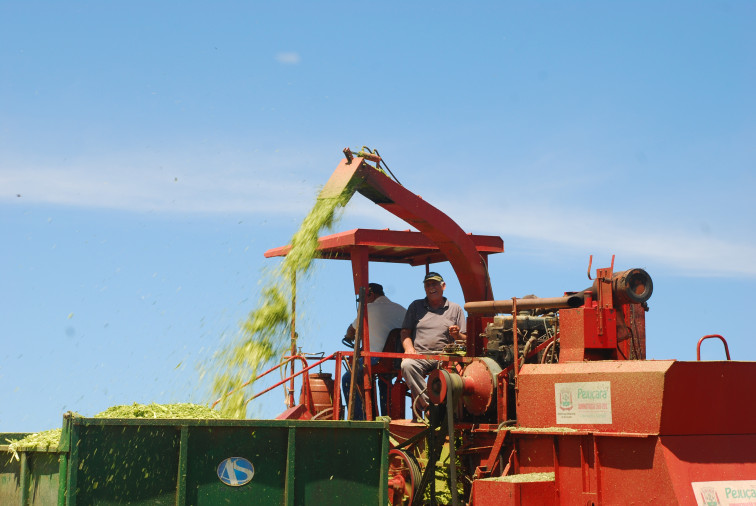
{"type": "Point", "coordinates": [433, 276]}
{"type": "Point", "coordinates": [376, 288]}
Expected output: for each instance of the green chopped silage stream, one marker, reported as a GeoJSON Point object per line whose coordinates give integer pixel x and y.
{"type": "Point", "coordinates": [265, 335]}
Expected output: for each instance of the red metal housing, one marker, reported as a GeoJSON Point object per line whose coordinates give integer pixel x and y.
{"type": "Point", "coordinates": [599, 425]}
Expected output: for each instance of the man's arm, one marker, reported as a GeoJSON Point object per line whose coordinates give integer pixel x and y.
{"type": "Point", "coordinates": [461, 324]}
{"type": "Point", "coordinates": [407, 344]}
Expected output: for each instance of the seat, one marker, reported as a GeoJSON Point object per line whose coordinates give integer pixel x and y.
{"type": "Point", "coordinates": [389, 368]}
{"type": "Point", "coordinates": [385, 371]}
{"type": "Point", "coordinates": [393, 344]}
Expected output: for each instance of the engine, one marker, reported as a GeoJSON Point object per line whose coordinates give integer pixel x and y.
{"type": "Point", "coordinates": [532, 331]}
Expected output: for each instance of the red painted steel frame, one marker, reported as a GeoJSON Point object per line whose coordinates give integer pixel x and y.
{"type": "Point", "coordinates": [393, 246]}
{"type": "Point", "coordinates": [362, 246]}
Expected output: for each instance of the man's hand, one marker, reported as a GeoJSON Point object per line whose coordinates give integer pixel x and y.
{"type": "Point", "coordinates": [350, 333]}
{"type": "Point", "coordinates": [454, 333]}
{"type": "Point", "coordinates": [409, 348]}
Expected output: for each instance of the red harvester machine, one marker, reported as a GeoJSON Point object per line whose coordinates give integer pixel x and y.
{"type": "Point", "coordinates": [552, 400]}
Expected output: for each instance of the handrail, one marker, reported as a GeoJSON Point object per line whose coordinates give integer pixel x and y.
{"type": "Point", "coordinates": [329, 357]}
{"type": "Point", "coordinates": [345, 354]}
{"type": "Point", "coordinates": [283, 362]}
{"type": "Point", "coordinates": [279, 365]}
{"type": "Point", "coordinates": [698, 347]}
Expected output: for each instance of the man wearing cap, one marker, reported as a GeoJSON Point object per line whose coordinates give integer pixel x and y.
{"type": "Point", "coordinates": [429, 325]}
{"type": "Point", "coordinates": [383, 316]}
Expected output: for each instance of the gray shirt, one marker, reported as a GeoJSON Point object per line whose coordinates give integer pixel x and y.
{"type": "Point", "coordinates": [430, 327]}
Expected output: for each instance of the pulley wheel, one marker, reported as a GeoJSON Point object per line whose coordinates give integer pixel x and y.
{"type": "Point", "coordinates": [403, 477]}
{"type": "Point", "coordinates": [480, 375]}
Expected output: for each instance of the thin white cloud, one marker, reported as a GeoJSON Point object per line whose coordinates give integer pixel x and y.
{"type": "Point", "coordinates": [136, 190]}
{"type": "Point", "coordinates": [575, 230]}
{"type": "Point", "coordinates": [288, 58]}
{"type": "Point", "coordinates": [278, 191]}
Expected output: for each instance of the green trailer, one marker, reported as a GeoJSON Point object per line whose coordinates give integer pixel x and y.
{"type": "Point", "coordinates": [141, 461]}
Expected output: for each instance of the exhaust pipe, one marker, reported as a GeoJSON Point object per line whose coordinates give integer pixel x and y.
{"type": "Point", "coordinates": [505, 306]}
{"type": "Point", "coordinates": [633, 286]}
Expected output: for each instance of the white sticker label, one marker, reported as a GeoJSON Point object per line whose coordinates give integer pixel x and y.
{"type": "Point", "coordinates": [725, 493]}
{"type": "Point", "coordinates": [589, 402]}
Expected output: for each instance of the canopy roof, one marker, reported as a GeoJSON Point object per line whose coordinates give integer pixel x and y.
{"type": "Point", "coordinates": [394, 246]}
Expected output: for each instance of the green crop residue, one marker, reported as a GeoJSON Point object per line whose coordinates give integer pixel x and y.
{"type": "Point", "coordinates": [525, 478]}
{"type": "Point", "coordinates": [48, 440]}
{"type": "Point", "coordinates": [535, 430]}
{"type": "Point", "coordinates": [442, 477]}
{"type": "Point", "coordinates": [265, 335]}
{"type": "Point", "coordinates": [42, 441]}
{"type": "Point", "coordinates": [153, 410]}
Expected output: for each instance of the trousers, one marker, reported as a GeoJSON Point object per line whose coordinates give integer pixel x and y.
{"type": "Point", "coordinates": [414, 372]}
{"type": "Point", "coordinates": [359, 411]}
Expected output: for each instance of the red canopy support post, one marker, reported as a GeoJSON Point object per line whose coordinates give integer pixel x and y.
{"type": "Point", "coordinates": [360, 271]}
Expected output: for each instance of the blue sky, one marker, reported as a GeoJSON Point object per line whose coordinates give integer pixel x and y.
{"type": "Point", "coordinates": [151, 152]}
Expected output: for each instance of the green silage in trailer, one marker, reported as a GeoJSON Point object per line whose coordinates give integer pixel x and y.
{"type": "Point", "coordinates": [103, 461]}
{"type": "Point", "coordinates": [31, 478]}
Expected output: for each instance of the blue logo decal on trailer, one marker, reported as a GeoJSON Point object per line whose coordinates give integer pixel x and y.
{"type": "Point", "coordinates": [236, 471]}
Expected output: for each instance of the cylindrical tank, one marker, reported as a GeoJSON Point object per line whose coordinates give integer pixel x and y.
{"type": "Point", "coordinates": [321, 386]}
